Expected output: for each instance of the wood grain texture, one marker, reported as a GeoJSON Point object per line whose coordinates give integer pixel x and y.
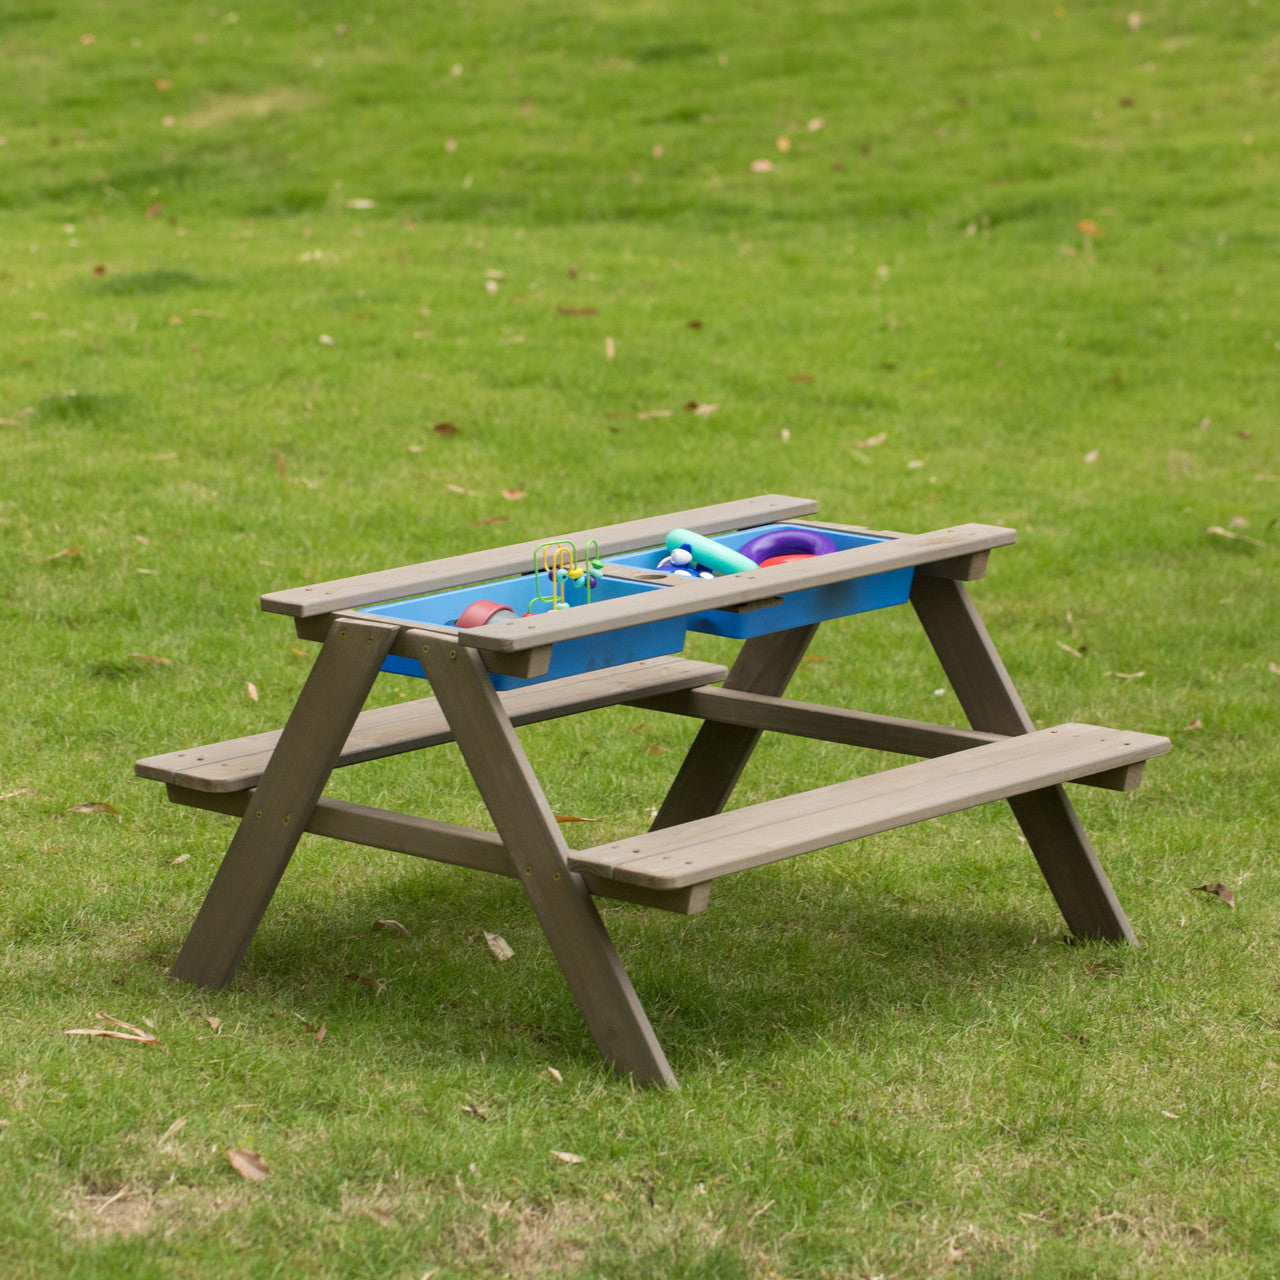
{"type": "Point", "coordinates": [335, 690]}
{"type": "Point", "coordinates": [694, 595]}
{"type": "Point", "coordinates": [435, 841]}
{"type": "Point", "coordinates": [986, 692]}
{"type": "Point", "coordinates": [715, 846]}
{"type": "Point", "coordinates": [238, 764]}
{"type": "Point", "coordinates": [560, 899]}
{"type": "Point", "coordinates": [479, 566]}
{"type": "Point", "coordinates": [719, 752]}
{"type": "Point", "coordinates": [849, 728]}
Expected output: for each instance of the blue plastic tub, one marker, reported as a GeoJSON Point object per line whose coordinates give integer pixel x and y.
{"type": "Point", "coordinates": [569, 657]}
{"type": "Point", "coordinates": [816, 604]}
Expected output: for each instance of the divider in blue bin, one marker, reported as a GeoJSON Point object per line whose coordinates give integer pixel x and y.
{"type": "Point", "coordinates": [814, 604]}
{"type": "Point", "coordinates": [531, 593]}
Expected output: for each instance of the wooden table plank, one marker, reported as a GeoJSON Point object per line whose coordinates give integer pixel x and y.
{"type": "Point", "coordinates": [689, 595]}
{"type": "Point", "coordinates": [500, 562]}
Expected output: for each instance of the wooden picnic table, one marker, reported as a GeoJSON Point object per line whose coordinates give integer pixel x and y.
{"type": "Point", "coordinates": [274, 782]}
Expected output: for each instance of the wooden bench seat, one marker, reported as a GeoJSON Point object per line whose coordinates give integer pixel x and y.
{"type": "Point", "coordinates": [238, 764]}
{"type": "Point", "coordinates": [707, 848]}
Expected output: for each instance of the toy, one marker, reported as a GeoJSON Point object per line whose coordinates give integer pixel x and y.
{"type": "Point", "coordinates": [787, 542]}
{"type": "Point", "coordinates": [559, 561]}
{"type": "Point", "coordinates": [707, 553]}
{"type": "Point", "coordinates": [478, 612]}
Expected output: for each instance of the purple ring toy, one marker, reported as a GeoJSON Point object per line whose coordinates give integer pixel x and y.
{"type": "Point", "coordinates": [788, 542]}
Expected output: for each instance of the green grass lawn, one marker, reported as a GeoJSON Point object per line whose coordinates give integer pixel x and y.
{"type": "Point", "coordinates": [931, 263]}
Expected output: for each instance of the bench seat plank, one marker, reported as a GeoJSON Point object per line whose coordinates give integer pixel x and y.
{"type": "Point", "coordinates": [707, 848]}
{"type": "Point", "coordinates": [237, 765]}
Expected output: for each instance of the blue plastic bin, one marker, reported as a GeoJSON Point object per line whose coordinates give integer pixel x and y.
{"type": "Point", "coordinates": [569, 657]}
{"type": "Point", "coordinates": [816, 604]}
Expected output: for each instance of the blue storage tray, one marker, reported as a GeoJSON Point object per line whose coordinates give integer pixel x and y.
{"type": "Point", "coordinates": [569, 657]}
{"type": "Point", "coordinates": [815, 604]}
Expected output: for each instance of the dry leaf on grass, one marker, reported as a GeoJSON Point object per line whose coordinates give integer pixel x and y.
{"type": "Point", "coordinates": [366, 981]}
{"type": "Point", "coordinates": [499, 946]}
{"type": "Point", "coordinates": [578, 311]}
{"type": "Point", "coordinates": [179, 860]}
{"type": "Point", "coordinates": [555, 1075]}
{"type": "Point", "coordinates": [1274, 668]}
{"type": "Point", "coordinates": [393, 925]}
{"type": "Point", "coordinates": [1219, 532]}
{"type": "Point", "coordinates": [252, 690]}
{"type": "Point", "coordinates": [1197, 723]}
{"type": "Point", "coordinates": [321, 1032]}
{"type": "Point", "coordinates": [1089, 227]}
{"type": "Point", "coordinates": [1219, 891]}
{"type": "Point", "coordinates": [248, 1164]}
{"type": "Point", "coordinates": [762, 166]}
{"type": "Point", "coordinates": [152, 658]}
{"type": "Point", "coordinates": [96, 806]}
{"type": "Point", "coordinates": [872, 442]}
{"type": "Point", "coordinates": [445, 429]}
{"type": "Point", "coordinates": [654, 413]}
{"type": "Point", "coordinates": [799, 377]}
{"type": "Point", "coordinates": [473, 1111]}
{"type": "Point", "coordinates": [174, 1128]}
{"type": "Point", "coordinates": [567, 1156]}
{"type": "Point", "coordinates": [513, 495]}
{"type": "Point", "coordinates": [130, 1032]}
{"type": "Point", "coordinates": [610, 349]}
{"type": "Point", "coordinates": [568, 817]}
{"type": "Point", "coordinates": [1126, 675]}
{"type": "Point", "coordinates": [1066, 648]}
{"type": "Point", "coordinates": [1093, 455]}
{"type": "Point", "coordinates": [215, 1023]}
{"type": "Point", "coordinates": [492, 520]}
{"type": "Point", "coordinates": [66, 553]}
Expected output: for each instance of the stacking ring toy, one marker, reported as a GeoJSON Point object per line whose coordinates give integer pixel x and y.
{"type": "Point", "coordinates": [478, 612]}
{"type": "Point", "coordinates": [788, 542]}
{"type": "Point", "coordinates": [772, 560]}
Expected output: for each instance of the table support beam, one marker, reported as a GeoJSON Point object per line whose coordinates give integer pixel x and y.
{"type": "Point", "coordinates": [335, 691]}
{"type": "Point", "coordinates": [991, 702]}
{"type": "Point", "coordinates": [539, 855]}
{"type": "Point", "coordinates": [715, 761]}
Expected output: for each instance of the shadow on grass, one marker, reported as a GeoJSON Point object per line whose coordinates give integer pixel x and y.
{"type": "Point", "coordinates": [86, 407]}
{"type": "Point", "coordinates": [780, 960]}
{"type": "Point", "coordinates": [139, 284]}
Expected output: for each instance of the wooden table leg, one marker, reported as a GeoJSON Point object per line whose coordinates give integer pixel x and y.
{"type": "Point", "coordinates": [719, 753]}
{"type": "Point", "coordinates": [990, 700]}
{"type": "Point", "coordinates": [295, 778]}
{"type": "Point", "coordinates": [560, 899]}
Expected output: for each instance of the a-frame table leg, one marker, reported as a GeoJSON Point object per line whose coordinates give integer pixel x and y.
{"type": "Point", "coordinates": [719, 752]}
{"type": "Point", "coordinates": [295, 778]}
{"type": "Point", "coordinates": [560, 899]}
{"type": "Point", "coordinates": [989, 699]}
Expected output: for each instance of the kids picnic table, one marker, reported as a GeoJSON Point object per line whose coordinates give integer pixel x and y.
{"type": "Point", "coordinates": [622, 648]}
